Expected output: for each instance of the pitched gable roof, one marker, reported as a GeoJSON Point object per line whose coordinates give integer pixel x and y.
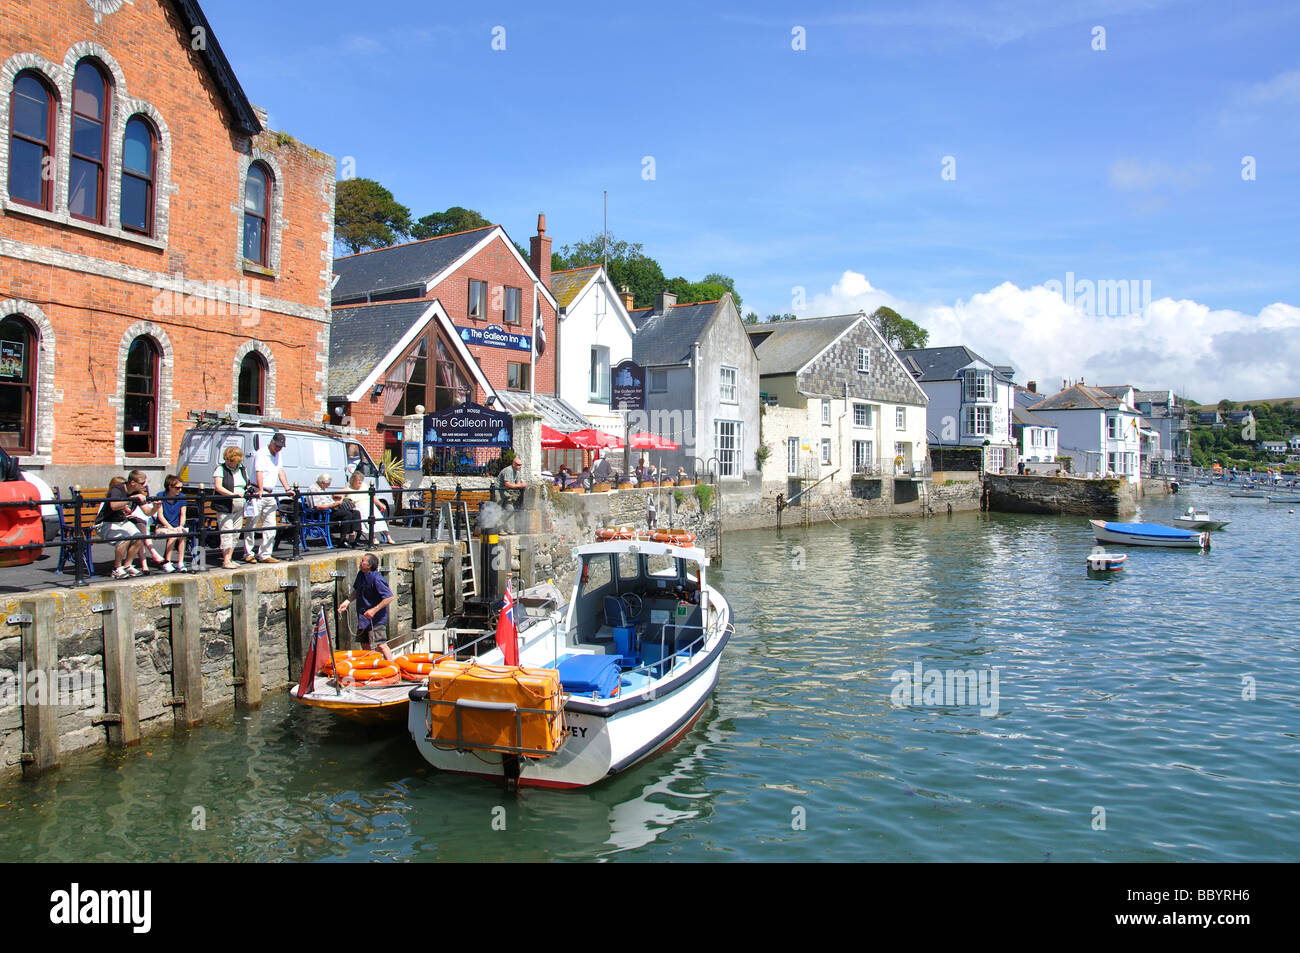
{"type": "Point", "coordinates": [1079, 397]}
{"type": "Point", "coordinates": [666, 337]}
{"type": "Point", "coordinates": [943, 363]}
{"type": "Point", "coordinates": [565, 285]}
{"type": "Point", "coordinates": [366, 339]}
{"type": "Point", "coordinates": [408, 267]}
{"type": "Point", "coordinates": [1030, 419]}
{"type": "Point", "coordinates": [241, 110]}
{"type": "Point", "coordinates": [785, 347]}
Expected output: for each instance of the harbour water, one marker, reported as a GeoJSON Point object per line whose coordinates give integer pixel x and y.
{"type": "Point", "coordinates": [1150, 715]}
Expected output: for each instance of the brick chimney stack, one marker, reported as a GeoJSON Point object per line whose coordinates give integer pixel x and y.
{"type": "Point", "coordinates": [626, 294]}
{"type": "Point", "coordinates": [1033, 387]}
{"type": "Point", "coordinates": [539, 247]}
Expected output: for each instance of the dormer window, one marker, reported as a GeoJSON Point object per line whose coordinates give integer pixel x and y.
{"type": "Point", "coordinates": [978, 386]}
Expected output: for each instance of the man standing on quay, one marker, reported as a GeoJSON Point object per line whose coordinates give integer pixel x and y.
{"type": "Point", "coordinates": [266, 463]}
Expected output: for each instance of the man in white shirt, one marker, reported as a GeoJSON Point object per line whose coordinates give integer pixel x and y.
{"type": "Point", "coordinates": [266, 463]}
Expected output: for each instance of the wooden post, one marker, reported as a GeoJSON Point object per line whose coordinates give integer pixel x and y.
{"type": "Point", "coordinates": [121, 694]}
{"type": "Point", "coordinates": [40, 653]}
{"type": "Point", "coordinates": [527, 563]}
{"type": "Point", "coordinates": [423, 563]}
{"type": "Point", "coordinates": [298, 620]}
{"type": "Point", "coordinates": [187, 655]}
{"type": "Point", "coordinates": [453, 600]}
{"type": "Point", "coordinates": [505, 546]}
{"type": "Point", "coordinates": [345, 573]}
{"type": "Point", "coordinates": [244, 635]}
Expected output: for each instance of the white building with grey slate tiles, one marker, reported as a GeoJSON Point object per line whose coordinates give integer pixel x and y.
{"type": "Point", "coordinates": [971, 402]}
{"type": "Point", "coordinates": [839, 406]}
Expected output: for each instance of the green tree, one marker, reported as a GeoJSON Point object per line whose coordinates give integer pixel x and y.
{"type": "Point", "coordinates": [751, 318]}
{"type": "Point", "coordinates": [899, 333]}
{"type": "Point", "coordinates": [713, 278]}
{"type": "Point", "coordinates": [455, 219]}
{"type": "Point", "coordinates": [780, 317]}
{"type": "Point", "coordinates": [367, 216]}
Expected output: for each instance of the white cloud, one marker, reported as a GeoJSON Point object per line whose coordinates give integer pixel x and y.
{"type": "Point", "coordinates": [1199, 351]}
{"type": "Point", "coordinates": [1282, 88]}
{"type": "Point", "coordinates": [1144, 175]}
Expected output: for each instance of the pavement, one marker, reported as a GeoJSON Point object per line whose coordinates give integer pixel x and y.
{"type": "Point", "coordinates": [41, 574]}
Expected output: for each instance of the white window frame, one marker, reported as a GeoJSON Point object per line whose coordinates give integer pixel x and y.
{"type": "Point", "coordinates": [478, 313]}
{"type": "Point", "coordinates": [1113, 428]}
{"type": "Point", "coordinates": [977, 387]}
{"type": "Point", "coordinates": [866, 415]}
{"type": "Point", "coordinates": [900, 418]}
{"type": "Point", "coordinates": [598, 366]}
{"type": "Point", "coordinates": [792, 456]}
{"type": "Point", "coordinates": [658, 390]}
{"type": "Point", "coordinates": [864, 360]}
{"type": "Point", "coordinates": [826, 412]}
{"type": "Point", "coordinates": [731, 460]}
{"type": "Point", "coordinates": [971, 421]}
{"type": "Point", "coordinates": [727, 391]}
{"type": "Point", "coordinates": [863, 453]}
{"type": "Point", "coordinates": [826, 450]}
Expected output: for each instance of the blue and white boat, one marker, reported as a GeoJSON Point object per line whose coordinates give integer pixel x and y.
{"type": "Point", "coordinates": [1149, 534]}
{"type": "Point", "coordinates": [637, 655]}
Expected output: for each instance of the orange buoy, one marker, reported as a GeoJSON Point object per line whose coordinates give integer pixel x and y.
{"type": "Point", "coordinates": [20, 525]}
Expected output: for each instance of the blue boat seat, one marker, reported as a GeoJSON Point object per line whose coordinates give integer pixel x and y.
{"type": "Point", "coordinates": [582, 674]}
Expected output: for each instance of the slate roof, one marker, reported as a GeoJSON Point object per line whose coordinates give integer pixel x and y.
{"type": "Point", "coordinates": [1079, 397]}
{"type": "Point", "coordinates": [242, 111]}
{"type": "Point", "coordinates": [565, 285]}
{"type": "Point", "coordinates": [360, 338]}
{"type": "Point", "coordinates": [405, 267]}
{"type": "Point", "coordinates": [783, 347]}
{"type": "Point", "coordinates": [943, 363]}
{"type": "Point", "coordinates": [1152, 396]}
{"type": "Point", "coordinates": [554, 411]}
{"type": "Point", "coordinates": [1028, 398]}
{"type": "Point", "coordinates": [1028, 418]}
{"type": "Point", "coordinates": [667, 338]}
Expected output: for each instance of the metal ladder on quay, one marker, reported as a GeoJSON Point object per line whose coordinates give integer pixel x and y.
{"type": "Point", "coordinates": [454, 527]}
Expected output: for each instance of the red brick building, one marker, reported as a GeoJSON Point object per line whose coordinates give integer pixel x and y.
{"type": "Point", "coordinates": [391, 351]}
{"type": "Point", "coordinates": [160, 250]}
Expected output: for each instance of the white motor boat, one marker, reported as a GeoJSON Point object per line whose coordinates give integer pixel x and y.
{"type": "Point", "coordinates": [621, 676]}
{"type": "Point", "coordinates": [1149, 534]}
{"type": "Point", "coordinates": [1195, 519]}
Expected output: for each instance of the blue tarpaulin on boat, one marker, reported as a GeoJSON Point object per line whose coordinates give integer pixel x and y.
{"type": "Point", "coordinates": [590, 673]}
{"type": "Point", "coordinates": [1153, 530]}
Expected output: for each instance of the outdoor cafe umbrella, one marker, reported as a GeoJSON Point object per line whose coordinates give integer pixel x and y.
{"type": "Point", "coordinates": [592, 439]}
{"type": "Point", "coordinates": [649, 441]}
{"type": "Point", "coordinates": [552, 439]}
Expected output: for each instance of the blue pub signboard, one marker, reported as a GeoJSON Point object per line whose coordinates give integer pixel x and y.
{"type": "Point", "coordinates": [494, 335]}
{"type": "Point", "coordinates": [469, 425]}
{"type": "Point", "coordinates": [627, 390]}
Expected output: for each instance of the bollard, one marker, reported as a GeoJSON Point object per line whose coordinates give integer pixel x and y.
{"type": "Point", "coordinates": [501, 560]}
{"type": "Point", "coordinates": [121, 695]}
{"type": "Point", "coordinates": [298, 618]}
{"type": "Point", "coordinates": [243, 629]}
{"type": "Point", "coordinates": [187, 655]}
{"type": "Point", "coordinates": [40, 653]}
{"type": "Point", "coordinates": [527, 563]}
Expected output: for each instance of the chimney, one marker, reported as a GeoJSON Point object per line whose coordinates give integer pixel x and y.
{"type": "Point", "coordinates": [664, 300]}
{"type": "Point", "coordinates": [539, 248]}
{"type": "Point", "coordinates": [626, 294]}
{"type": "Point", "coordinates": [1033, 387]}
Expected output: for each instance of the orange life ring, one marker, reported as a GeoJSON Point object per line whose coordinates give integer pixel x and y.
{"type": "Point", "coordinates": [380, 671]}
{"type": "Point", "coordinates": [678, 537]}
{"type": "Point", "coordinates": [350, 659]}
{"type": "Point", "coordinates": [414, 666]}
{"type": "Point", "coordinates": [615, 532]}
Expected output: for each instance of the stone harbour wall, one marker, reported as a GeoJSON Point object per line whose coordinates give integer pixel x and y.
{"type": "Point", "coordinates": [1109, 498]}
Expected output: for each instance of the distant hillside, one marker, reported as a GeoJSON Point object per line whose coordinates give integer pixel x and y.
{"type": "Point", "coordinates": [1271, 401]}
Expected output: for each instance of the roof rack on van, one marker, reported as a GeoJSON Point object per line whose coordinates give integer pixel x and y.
{"type": "Point", "coordinates": [208, 418]}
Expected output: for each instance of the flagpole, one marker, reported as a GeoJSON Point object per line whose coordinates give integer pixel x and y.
{"type": "Point", "coordinates": [532, 353]}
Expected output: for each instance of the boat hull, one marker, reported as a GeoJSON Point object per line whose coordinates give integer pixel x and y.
{"type": "Point", "coordinates": [1198, 524]}
{"type": "Point", "coordinates": [602, 738]}
{"type": "Point", "coordinates": [373, 706]}
{"type": "Point", "coordinates": [1104, 533]}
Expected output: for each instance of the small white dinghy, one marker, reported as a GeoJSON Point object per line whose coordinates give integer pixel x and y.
{"type": "Point", "coordinates": [1198, 520]}
{"type": "Point", "coordinates": [1101, 561]}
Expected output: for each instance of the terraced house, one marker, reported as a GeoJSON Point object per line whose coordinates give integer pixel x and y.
{"type": "Point", "coordinates": [161, 251]}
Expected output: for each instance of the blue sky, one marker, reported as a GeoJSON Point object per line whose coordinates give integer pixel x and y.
{"type": "Point", "coordinates": [789, 168]}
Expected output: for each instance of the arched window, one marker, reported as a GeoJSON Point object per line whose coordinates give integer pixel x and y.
{"type": "Point", "coordinates": [139, 167]}
{"type": "Point", "coordinates": [257, 199]}
{"type": "Point", "coordinates": [31, 141]}
{"type": "Point", "coordinates": [140, 408]}
{"type": "Point", "coordinates": [18, 343]}
{"type": "Point", "coordinates": [251, 398]}
{"type": "Point", "coordinates": [86, 189]}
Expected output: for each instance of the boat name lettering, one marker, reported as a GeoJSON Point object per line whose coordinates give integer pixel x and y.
{"type": "Point", "coordinates": [577, 732]}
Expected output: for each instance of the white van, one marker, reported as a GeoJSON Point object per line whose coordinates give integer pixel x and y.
{"type": "Point", "coordinates": [307, 453]}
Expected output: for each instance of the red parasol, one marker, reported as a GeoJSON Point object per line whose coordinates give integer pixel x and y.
{"type": "Point", "coordinates": [552, 439]}
{"type": "Point", "coordinates": [591, 439]}
{"type": "Point", "coordinates": [649, 441]}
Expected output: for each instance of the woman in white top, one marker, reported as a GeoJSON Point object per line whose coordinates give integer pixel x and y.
{"type": "Point", "coordinates": [361, 499]}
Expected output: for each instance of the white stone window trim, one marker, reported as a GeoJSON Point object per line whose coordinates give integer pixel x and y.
{"type": "Point", "coordinates": [727, 392]}
{"type": "Point", "coordinates": [122, 106]}
{"type": "Point", "coordinates": [165, 408]}
{"type": "Point", "coordinates": [269, 408]}
{"type": "Point", "coordinates": [864, 360]}
{"type": "Point", "coordinates": [275, 223]}
{"type": "Point", "coordinates": [46, 395]}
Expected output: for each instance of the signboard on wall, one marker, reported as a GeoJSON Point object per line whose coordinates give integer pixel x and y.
{"type": "Point", "coordinates": [627, 386]}
{"type": "Point", "coordinates": [11, 360]}
{"type": "Point", "coordinates": [494, 335]}
{"type": "Point", "coordinates": [469, 425]}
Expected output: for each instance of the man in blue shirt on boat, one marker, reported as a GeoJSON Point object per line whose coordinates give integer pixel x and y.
{"type": "Point", "coordinates": [372, 596]}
